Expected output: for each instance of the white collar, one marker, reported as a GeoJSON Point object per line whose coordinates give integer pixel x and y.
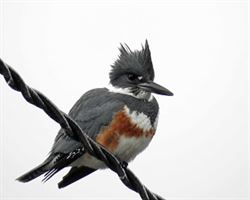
{"type": "Point", "coordinates": [127, 91]}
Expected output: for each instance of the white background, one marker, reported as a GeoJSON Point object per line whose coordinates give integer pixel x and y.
{"type": "Point", "coordinates": [199, 51]}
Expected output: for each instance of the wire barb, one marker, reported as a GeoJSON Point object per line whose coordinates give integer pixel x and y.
{"type": "Point", "coordinates": [36, 98]}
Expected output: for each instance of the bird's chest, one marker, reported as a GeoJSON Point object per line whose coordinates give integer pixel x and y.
{"type": "Point", "coordinates": [128, 134]}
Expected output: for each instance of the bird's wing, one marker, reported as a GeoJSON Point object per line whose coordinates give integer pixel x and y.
{"type": "Point", "coordinates": [93, 111]}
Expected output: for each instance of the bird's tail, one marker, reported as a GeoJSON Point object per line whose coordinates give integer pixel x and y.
{"type": "Point", "coordinates": [36, 172]}
{"type": "Point", "coordinates": [53, 164]}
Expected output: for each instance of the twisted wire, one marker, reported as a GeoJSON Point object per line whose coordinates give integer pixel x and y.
{"type": "Point", "coordinates": [36, 98]}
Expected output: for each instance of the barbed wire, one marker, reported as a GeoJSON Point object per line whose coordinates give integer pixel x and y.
{"type": "Point", "coordinates": [36, 98]}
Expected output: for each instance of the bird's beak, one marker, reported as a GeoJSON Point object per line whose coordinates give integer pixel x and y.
{"type": "Point", "coordinates": [155, 88]}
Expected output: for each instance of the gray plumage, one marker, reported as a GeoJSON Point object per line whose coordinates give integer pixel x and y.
{"type": "Point", "coordinates": [93, 111]}
{"type": "Point", "coordinates": [133, 73]}
{"type": "Point", "coordinates": [135, 62]}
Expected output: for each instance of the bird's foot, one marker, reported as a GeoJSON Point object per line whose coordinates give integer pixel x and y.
{"type": "Point", "coordinates": [124, 164]}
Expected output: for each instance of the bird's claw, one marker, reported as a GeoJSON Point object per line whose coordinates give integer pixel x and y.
{"type": "Point", "coordinates": [124, 164]}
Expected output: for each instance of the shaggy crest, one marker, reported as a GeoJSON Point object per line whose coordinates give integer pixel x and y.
{"type": "Point", "coordinates": [137, 62]}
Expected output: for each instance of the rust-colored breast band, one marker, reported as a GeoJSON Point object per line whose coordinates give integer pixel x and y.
{"type": "Point", "coordinates": [121, 125]}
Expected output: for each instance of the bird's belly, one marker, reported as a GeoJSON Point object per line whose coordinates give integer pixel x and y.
{"type": "Point", "coordinates": [127, 149]}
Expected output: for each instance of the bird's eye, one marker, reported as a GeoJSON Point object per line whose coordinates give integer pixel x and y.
{"type": "Point", "coordinates": [132, 77]}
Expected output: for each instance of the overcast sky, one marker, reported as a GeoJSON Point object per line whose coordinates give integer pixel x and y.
{"type": "Point", "coordinates": [199, 51]}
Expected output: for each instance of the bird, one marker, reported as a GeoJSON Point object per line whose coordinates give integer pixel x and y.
{"type": "Point", "coordinates": [121, 117]}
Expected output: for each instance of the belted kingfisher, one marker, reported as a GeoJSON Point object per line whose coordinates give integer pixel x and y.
{"type": "Point", "coordinates": [122, 117]}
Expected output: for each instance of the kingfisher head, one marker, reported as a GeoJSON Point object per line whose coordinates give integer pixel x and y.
{"type": "Point", "coordinates": [133, 73]}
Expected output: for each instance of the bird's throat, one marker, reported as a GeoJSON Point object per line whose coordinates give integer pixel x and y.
{"type": "Point", "coordinates": [135, 92]}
